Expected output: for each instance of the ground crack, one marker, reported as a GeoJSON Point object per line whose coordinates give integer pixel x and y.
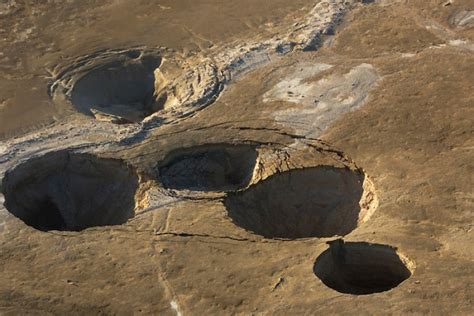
{"type": "Point", "coordinates": [184, 234]}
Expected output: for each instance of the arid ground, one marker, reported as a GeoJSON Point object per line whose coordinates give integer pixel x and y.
{"type": "Point", "coordinates": [201, 157]}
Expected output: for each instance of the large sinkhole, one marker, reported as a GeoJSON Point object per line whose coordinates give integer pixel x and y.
{"type": "Point", "coordinates": [70, 191]}
{"type": "Point", "coordinates": [362, 268]}
{"type": "Point", "coordinates": [209, 168]}
{"type": "Point", "coordinates": [313, 202]}
{"type": "Point", "coordinates": [124, 87]}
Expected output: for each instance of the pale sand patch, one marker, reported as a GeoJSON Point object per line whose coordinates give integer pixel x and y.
{"type": "Point", "coordinates": [463, 18]}
{"type": "Point", "coordinates": [323, 101]}
{"type": "Point", "coordinates": [462, 44]}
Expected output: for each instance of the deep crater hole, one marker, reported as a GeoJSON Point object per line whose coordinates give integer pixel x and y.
{"type": "Point", "coordinates": [209, 168]}
{"type": "Point", "coordinates": [124, 87]}
{"type": "Point", "coordinates": [362, 268]}
{"type": "Point", "coordinates": [313, 202]}
{"type": "Point", "coordinates": [70, 191]}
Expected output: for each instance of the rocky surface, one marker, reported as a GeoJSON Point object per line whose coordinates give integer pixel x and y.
{"type": "Point", "coordinates": [355, 115]}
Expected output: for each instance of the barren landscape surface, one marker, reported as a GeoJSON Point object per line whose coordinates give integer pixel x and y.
{"type": "Point", "coordinates": [200, 157]}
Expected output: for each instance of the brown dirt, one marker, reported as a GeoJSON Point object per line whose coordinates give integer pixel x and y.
{"type": "Point", "coordinates": [182, 252]}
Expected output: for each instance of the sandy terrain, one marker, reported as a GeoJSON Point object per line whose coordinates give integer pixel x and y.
{"type": "Point", "coordinates": [287, 158]}
{"type": "Point", "coordinates": [37, 36]}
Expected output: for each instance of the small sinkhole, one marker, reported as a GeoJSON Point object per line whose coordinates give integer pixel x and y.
{"type": "Point", "coordinates": [209, 168]}
{"type": "Point", "coordinates": [362, 268]}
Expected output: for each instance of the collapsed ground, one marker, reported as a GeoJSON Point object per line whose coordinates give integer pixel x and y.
{"type": "Point", "coordinates": [405, 124]}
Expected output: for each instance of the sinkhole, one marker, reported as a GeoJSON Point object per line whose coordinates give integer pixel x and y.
{"type": "Point", "coordinates": [362, 268]}
{"type": "Point", "coordinates": [209, 168]}
{"type": "Point", "coordinates": [122, 87]}
{"type": "Point", "coordinates": [70, 191]}
{"type": "Point", "coordinates": [319, 201]}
